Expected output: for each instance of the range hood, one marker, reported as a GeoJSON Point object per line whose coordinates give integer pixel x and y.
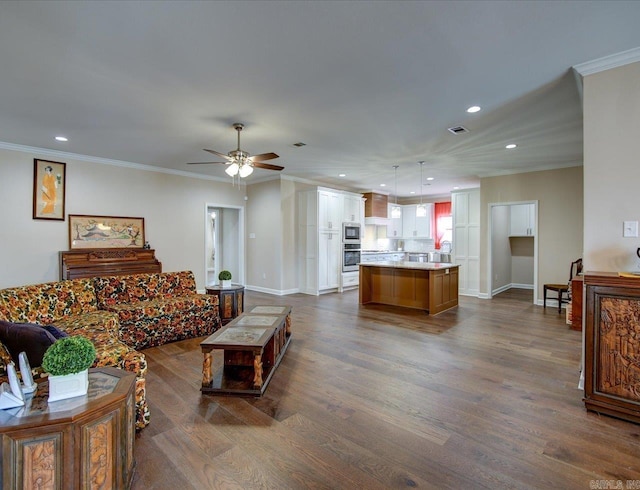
{"type": "Point", "coordinates": [377, 221]}
{"type": "Point", "coordinates": [375, 209]}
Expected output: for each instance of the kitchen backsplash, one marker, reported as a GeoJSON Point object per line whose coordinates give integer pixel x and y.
{"type": "Point", "coordinates": [371, 241]}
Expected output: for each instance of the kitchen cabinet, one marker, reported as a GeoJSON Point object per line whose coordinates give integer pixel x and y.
{"type": "Point", "coordinates": [414, 226]}
{"type": "Point", "coordinates": [522, 220]}
{"type": "Point", "coordinates": [319, 240]}
{"type": "Point", "coordinates": [329, 210]}
{"type": "Point", "coordinates": [352, 208]}
{"type": "Point", "coordinates": [329, 266]}
{"type": "Point", "coordinates": [394, 227]}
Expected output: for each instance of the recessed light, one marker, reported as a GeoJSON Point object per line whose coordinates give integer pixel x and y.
{"type": "Point", "coordinates": [456, 187]}
{"type": "Point", "coordinates": [510, 146]}
{"type": "Point", "coordinates": [412, 192]}
{"type": "Point", "coordinates": [429, 178]}
{"type": "Point", "coordinates": [61, 138]}
{"type": "Point", "coordinates": [342, 175]}
{"type": "Point", "coordinates": [474, 108]}
{"type": "Point", "coordinates": [383, 185]}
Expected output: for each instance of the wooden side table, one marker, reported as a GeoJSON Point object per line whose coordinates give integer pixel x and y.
{"type": "Point", "coordinates": [72, 443]}
{"type": "Point", "coordinates": [230, 300]}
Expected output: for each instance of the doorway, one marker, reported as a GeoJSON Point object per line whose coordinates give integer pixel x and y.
{"type": "Point", "coordinates": [224, 243]}
{"type": "Point", "coordinates": [513, 247]}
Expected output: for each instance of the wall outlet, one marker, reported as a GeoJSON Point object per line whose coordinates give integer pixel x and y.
{"type": "Point", "coordinates": [630, 229]}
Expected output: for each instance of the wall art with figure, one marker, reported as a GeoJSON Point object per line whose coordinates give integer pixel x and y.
{"type": "Point", "coordinates": [48, 189]}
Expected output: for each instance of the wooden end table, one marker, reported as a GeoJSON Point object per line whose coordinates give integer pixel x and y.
{"type": "Point", "coordinates": [230, 300]}
{"type": "Point", "coordinates": [252, 346]}
{"type": "Point", "coordinates": [72, 443]}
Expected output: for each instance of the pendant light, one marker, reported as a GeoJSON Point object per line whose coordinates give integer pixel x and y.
{"type": "Point", "coordinates": [421, 209]}
{"type": "Point", "coordinates": [396, 213]}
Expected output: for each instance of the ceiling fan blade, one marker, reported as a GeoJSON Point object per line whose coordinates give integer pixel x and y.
{"type": "Point", "coordinates": [205, 163]}
{"type": "Point", "coordinates": [217, 153]}
{"type": "Point", "coordinates": [264, 156]}
{"type": "Point", "coordinates": [267, 166]}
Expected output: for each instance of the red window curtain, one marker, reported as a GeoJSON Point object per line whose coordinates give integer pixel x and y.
{"type": "Point", "coordinates": [441, 210]}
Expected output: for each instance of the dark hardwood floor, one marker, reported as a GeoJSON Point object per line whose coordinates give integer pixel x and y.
{"type": "Point", "coordinates": [481, 396]}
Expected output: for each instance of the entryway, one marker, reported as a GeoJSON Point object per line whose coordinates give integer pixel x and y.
{"type": "Point", "coordinates": [224, 242]}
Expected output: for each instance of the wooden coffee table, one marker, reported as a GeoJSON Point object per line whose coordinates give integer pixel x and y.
{"type": "Point", "coordinates": [252, 347]}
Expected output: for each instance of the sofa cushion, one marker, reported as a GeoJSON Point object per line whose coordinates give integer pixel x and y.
{"type": "Point", "coordinates": [111, 290]}
{"type": "Point", "coordinates": [32, 339]}
{"type": "Point", "coordinates": [45, 303]}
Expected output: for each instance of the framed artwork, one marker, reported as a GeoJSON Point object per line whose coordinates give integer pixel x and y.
{"type": "Point", "coordinates": [87, 231]}
{"type": "Point", "coordinates": [48, 189]}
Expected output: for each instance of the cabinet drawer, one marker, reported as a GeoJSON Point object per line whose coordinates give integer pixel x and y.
{"type": "Point", "coordinates": [350, 280]}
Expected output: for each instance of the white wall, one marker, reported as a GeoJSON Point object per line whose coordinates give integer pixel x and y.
{"type": "Point", "coordinates": [173, 207]}
{"type": "Point", "coordinates": [501, 251]}
{"type": "Point", "coordinates": [264, 236]}
{"type": "Point", "coordinates": [560, 217]}
{"type": "Point", "coordinates": [611, 102]}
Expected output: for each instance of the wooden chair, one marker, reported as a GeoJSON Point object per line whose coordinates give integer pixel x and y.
{"type": "Point", "coordinates": [562, 289]}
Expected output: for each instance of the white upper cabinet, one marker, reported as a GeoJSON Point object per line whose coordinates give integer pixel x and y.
{"type": "Point", "coordinates": [394, 215]}
{"type": "Point", "coordinates": [522, 220]}
{"type": "Point", "coordinates": [352, 208]}
{"type": "Point", "coordinates": [415, 225]}
{"type": "Point", "coordinates": [329, 210]}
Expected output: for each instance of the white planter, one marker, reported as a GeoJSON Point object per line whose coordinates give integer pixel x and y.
{"type": "Point", "coordinates": [69, 386]}
{"type": "Point", "coordinates": [226, 284]}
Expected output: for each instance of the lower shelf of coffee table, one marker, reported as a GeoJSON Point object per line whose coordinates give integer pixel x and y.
{"type": "Point", "coordinates": [238, 380]}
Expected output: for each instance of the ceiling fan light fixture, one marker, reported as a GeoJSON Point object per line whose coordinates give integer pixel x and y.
{"type": "Point", "coordinates": [232, 170]}
{"type": "Point", "coordinates": [245, 170]}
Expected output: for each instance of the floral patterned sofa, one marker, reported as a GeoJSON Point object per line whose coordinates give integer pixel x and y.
{"type": "Point", "coordinates": [73, 308]}
{"type": "Point", "coordinates": [154, 309]}
{"type": "Point", "coordinates": [119, 314]}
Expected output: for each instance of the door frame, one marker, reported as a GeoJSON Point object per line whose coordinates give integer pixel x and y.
{"type": "Point", "coordinates": [240, 239]}
{"type": "Point", "coordinates": [490, 245]}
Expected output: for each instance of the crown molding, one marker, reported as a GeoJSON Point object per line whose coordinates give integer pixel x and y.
{"type": "Point", "coordinates": [104, 161]}
{"type": "Point", "coordinates": [608, 62]}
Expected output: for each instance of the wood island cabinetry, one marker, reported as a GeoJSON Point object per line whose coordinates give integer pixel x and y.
{"type": "Point", "coordinates": [612, 345]}
{"type": "Point", "coordinates": [426, 286]}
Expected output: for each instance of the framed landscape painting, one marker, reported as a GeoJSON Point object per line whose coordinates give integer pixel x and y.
{"type": "Point", "coordinates": [87, 231]}
{"type": "Point", "coordinates": [48, 189]}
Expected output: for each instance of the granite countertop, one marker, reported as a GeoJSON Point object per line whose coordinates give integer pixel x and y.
{"type": "Point", "coordinates": [403, 264]}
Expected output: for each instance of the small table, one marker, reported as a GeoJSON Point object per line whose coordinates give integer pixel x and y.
{"type": "Point", "coordinates": [230, 300]}
{"type": "Point", "coordinates": [253, 345]}
{"type": "Point", "coordinates": [72, 443]}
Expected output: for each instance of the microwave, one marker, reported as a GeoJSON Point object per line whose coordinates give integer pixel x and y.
{"type": "Point", "coordinates": [350, 232]}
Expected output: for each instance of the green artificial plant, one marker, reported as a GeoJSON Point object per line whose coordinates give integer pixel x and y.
{"type": "Point", "coordinates": [224, 276]}
{"type": "Point", "coordinates": [69, 355]}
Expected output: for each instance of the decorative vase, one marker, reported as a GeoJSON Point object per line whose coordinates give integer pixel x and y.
{"type": "Point", "coordinates": [226, 284]}
{"type": "Point", "coordinates": [68, 386]}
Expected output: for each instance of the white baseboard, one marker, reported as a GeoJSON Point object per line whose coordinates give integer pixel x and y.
{"type": "Point", "coordinates": [275, 292]}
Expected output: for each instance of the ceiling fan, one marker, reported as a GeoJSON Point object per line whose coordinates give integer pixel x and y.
{"type": "Point", "coordinates": [240, 162]}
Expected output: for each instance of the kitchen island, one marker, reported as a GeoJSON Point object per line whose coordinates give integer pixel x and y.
{"type": "Point", "coordinates": [423, 285]}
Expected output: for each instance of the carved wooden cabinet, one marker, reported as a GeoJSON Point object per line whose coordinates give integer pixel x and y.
{"type": "Point", "coordinates": [230, 300]}
{"type": "Point", "coordinates": [82, 442]}
{"type": "Point", "coordinates": [612, 345]}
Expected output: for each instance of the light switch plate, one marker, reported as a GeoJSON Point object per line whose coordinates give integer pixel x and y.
{"type": "Point", "coordinates": [630, 229]}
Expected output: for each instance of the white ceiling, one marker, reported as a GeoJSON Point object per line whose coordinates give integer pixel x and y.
{"type": "Point", "coordinates": [364, 84]}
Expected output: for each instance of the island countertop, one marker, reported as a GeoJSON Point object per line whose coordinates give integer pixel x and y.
{"type": "Point", "coordinates": [429, 286]}
{"type": "Point", "coordinates": [403, 264]}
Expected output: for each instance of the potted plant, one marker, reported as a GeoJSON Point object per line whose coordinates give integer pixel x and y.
{"type": "Point", "coordinates": [225, 278]}
{"type": "Point", "coordinates": [67, 361]}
